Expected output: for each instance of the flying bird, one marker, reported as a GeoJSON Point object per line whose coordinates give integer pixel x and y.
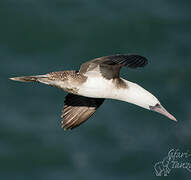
{"type": "Point", "coordinates": [97, 80]}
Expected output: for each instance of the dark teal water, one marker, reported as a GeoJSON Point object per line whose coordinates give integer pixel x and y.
{"type": "Point", "coordinates": [121, 141]}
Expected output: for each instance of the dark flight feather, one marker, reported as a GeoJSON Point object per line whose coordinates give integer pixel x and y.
{"type": "Point", "coordinates": [78, 109]}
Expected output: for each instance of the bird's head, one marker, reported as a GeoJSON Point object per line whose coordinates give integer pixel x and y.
{"type": "Point", "coordinates": [141, 97]}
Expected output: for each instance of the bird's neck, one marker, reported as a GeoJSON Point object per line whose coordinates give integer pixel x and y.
{"type": "Point", "coordinates": [135, 94]}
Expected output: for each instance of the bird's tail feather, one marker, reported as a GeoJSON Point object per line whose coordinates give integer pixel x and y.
{"type": "Point", "coordinates": [29, 78]}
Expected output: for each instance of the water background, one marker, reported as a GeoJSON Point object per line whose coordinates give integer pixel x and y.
{"type": "Point", "coordinates": [121, 141]}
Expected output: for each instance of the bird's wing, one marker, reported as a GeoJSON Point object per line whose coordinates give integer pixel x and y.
{"type": "Point", "coordinates": [77, 109]}
{"type": "Point", "coordinates": [109, 66]}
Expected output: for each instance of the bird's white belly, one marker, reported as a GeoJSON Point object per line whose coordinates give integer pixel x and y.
{"type": "Point", "coordinates": [97, 88]}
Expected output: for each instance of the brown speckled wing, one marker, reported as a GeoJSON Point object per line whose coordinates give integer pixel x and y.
{"type": "Point", "coordinates": [109, 66]}
{"type": "Point", "coordinates": [78, 109]}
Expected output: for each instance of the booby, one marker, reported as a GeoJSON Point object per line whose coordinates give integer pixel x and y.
{"type": "Point", "coordinates": [97, 80]}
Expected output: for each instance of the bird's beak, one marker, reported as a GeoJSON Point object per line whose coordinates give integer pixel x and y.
{"type": "Point", "coordinates": [160, 109]}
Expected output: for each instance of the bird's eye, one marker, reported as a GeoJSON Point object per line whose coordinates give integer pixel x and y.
{"type": "Point", "coordinates": [156, 106]}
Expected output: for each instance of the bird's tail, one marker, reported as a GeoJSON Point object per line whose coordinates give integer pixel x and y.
{"type": "Point", "coordinates": [29, 78]}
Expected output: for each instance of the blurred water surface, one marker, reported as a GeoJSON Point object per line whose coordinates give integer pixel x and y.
{"type": "Point", "coordinates": [121, 141]}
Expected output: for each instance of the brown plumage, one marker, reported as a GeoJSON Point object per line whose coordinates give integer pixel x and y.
{"type": "Point", "coordinates": [74, 76]}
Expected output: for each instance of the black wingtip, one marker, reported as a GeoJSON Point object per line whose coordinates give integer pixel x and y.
{"type": "Point", "coordinates": [129, 60]}
{"type": "Point", "coordinates": [136, 61]}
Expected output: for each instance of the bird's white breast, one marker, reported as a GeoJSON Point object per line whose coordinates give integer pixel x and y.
{"type": "Point", "coordinates": [97, 87]}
